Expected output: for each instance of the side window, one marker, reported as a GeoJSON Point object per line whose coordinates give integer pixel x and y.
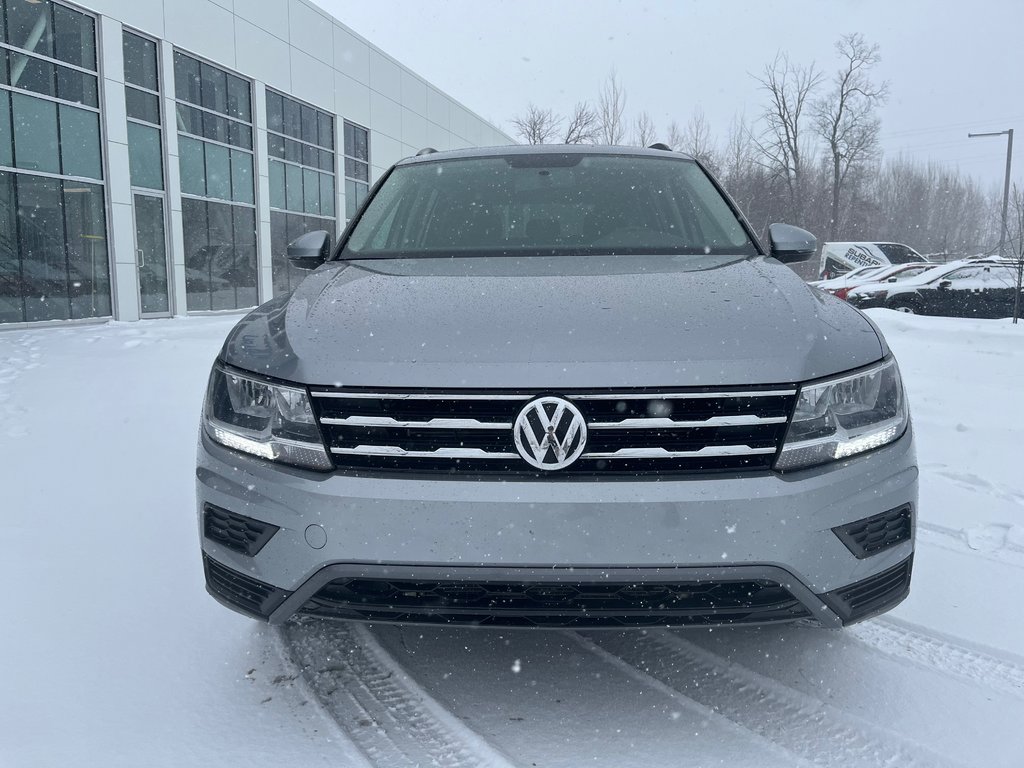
{"type": "Point", "coordinates": [967, 273]}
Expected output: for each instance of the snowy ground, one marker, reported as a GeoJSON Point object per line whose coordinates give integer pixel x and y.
{"type": "Point", "coordinates": [111, 654]}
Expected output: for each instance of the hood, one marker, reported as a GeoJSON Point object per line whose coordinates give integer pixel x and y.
{"type": "Point", "coordinates": [553, 323]}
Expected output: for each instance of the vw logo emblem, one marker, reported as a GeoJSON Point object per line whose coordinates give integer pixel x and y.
{"type": "Point", "coordinates": [550, 433]}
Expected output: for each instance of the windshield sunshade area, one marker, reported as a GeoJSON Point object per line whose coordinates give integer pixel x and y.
{"type": "Point", "coordinates": [548, 204]}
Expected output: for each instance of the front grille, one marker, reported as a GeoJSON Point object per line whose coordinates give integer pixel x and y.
{"type": "Point", "coordinates": [874, 534]}
{"type": "Point", "coordinates": [631, 432]}
{"type": "Point", "coordinates": [244, 592]}
{"type": "Point", "coordinates": [872, 595]}
{"type": "Point", "coordinates": [561, 604]}
{"type": "Point", "coordinates": [236, 532]}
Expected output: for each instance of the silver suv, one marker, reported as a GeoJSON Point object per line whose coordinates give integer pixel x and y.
{"type": "Point", "coordinates": [556, 386]}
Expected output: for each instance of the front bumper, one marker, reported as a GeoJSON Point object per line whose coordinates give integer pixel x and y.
{"type": "Point", "coordinates": [698, 550]}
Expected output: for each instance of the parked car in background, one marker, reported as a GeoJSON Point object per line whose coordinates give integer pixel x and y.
{"type": "Point", "coordinates": [845, 281]}
{"type": "Point", "coordinates": [841, 286]}
{"type": "Point", "coordinates": [959, 289]}
{"type": "Point", "coordinates": [840, 258]}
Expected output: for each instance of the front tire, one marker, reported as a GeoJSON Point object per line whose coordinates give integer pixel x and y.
{"type": "Point", "coordinates": [907, 306]}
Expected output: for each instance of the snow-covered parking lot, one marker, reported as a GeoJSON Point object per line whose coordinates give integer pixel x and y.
{"type": "Point", "coordinates": [111, 653]}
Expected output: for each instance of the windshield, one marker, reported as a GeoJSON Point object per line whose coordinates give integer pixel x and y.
{"type": "Point", "coordinates": [548, 204]}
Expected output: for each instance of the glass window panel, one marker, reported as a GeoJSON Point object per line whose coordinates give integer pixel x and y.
{"type": "Point", "coordinates": [292, 151]}
{"type": "Point", "coordinates": [239, 104]}
{"type": "Point", "coordinates": [311, 191]}
{"type": "Point", "coordinates": [293, 188]}
{"type": "Point", "coordinates": [292, 119]}
{"type": "Point", "coordinates": [6, 138]}
{"type": "Point", "coordinates": [362, 143]}
{"type": "Point", "coordinates": [142, 105]}
{"type": "Point", "coordinates": [4, 79]}
{"type": "Point", "coordinates": [215, 88]}
{"type": "Point", "coordinates": [275, 145]}
{"type": "Point", "coordinates": [12, 305]}
{"type": "Point", "coordinates": [88, 267]}
{"type": "Point", "coordinates": [275, 112]}
{"type": "Point", "coordinates": [145, 156]}
{"type": "Point", "coordinates": [244, 277]}
{"type": "Point", "coordinates": [241, 177]}
{"type": "Point", "coordinates": [192, 165]}
{"type": "Point", "coordinates": [215, 127]}
{"type": "Point", "coordinates": [218, 171]}
{"type": "Point", "coordinates": [187, 79]}
{"type": "Point", "coordinates": [32, 74]}
{"type": "Point", "coordinates": [239, 134]}
{"type": "Point", "coordinates": [221, 257]}
{"type": "Point", "coordinates": [350, 139]}
{"type": "Point", "coordinates": [326, 194]}
{"type": "Point", "coordinates": [73, 85]}
{"type": "Point", "coordinates": [277, 194]}
{"type": "Point", "coordinates": [35, 134]}
{"type": "Point", "coordinates": [326, 161]}
{"type": "Point", "coordinates": [28, 25]}
{"type": "Point", "coordinates": [44, 268]}
{"type": "Point", "coordinates": [326, 130]}
{"type": "Point", "coordinates": [310, 156]}
{"type": "Point", "coordinates": [140, 59]}
{"type": "Point", "coordinates": [190, 120]}
{"type": "Point", "coordinates": [80, 142]}
{"type": "Point", "coordinates": [350, 199]}
{"type": "Point", "coordinates": [309, 124]}
{"type": "Point", "coordinates": [356, 170]}
{"type": "Point", "coordinates": [278, 252]}
{"type": "Point", "coordinates": [196, 242]}
{"type": "Point", "coordinates": [74, 37]}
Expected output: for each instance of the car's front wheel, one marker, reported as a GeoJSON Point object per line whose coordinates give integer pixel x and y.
{"type": "Point", "coordinates": [906, 305]}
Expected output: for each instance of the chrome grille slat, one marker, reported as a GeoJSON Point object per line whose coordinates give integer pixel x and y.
{"type": "Point", "coordinates": [629, 432]}
{"type": "Point", "coordinates": [387, 421]}
{"type": "Point", "coordinates": [713, 421]}
{"type": "Point", "coordinates": [440, 453]}
{"type": "Point", "coordinates": [661, 453]}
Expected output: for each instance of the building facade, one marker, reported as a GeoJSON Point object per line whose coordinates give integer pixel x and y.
{"type": "Point", "coordinates": [156, 156]}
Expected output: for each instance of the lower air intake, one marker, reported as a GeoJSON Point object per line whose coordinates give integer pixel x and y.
{"type": "Point", "coordinates": [243, 592]}
{"type": "Point", "coordinates": [873, 534]}
{"type": "Point", "coordinates": [555, 604]}
{"type": "Point", "coordinates": [873, 595]}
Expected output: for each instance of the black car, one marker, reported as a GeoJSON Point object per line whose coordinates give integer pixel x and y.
{"type": "Point", "coordinates": [979, 289]}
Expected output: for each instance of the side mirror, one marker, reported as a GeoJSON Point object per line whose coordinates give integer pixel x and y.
{"type": "Point", "coordinates": [789, 243]}
{"type": "Point", "coordinates": [891, 280]}
{"type": "Point", "coordinates": [310, 250]}
{"type": "Point", "coordinates": [945, 284]}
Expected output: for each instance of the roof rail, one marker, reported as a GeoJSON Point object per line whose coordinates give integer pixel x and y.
{"type": "Point", "coordinates": [660, 145]}
{"type": "Point", "coordinates": [426, 151]}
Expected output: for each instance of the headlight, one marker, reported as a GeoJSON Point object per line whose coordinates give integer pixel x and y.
{"type": "Point", "coordinates": [267, 420]}
{"type": "Point", "coordinates": [845, 416]}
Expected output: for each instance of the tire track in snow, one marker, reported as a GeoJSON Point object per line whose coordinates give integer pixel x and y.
{"type": "Point", "coordinates": [935, 651]}
{"type": "Point", "coordinates": [1004, 552]}
{"type": "Point", "coordinates": [803, 725]}
{"type": "Point", "coordinates": [389, 716]}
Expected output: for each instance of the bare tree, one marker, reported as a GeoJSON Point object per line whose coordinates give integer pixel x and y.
{"type": "Point", "coordinates": [583, 125]}
{"type": "Point", "coordinates": [611, 106]}
{"type": "Point", "coordinates": [697, 139]}
{"type": "Point", "coordinates": [674, 136]}
{"type": "Point", "coordinates": [537, 126]}
{"type": "Point", "coordinates": [846, 119]}
{"type": "Point", "coordinates": [644, 133]}
{"type": "Point", "coordinates": [784, 144]}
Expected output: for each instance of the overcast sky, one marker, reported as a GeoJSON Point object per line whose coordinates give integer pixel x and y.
{"type": "Point", "coordinates": [953, 67]}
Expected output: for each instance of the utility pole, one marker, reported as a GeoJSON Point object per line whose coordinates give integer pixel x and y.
{"type": "Point", "coordinates": [1006, 182]}
{"type": "Point", "coordinates": [1004, 230]}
